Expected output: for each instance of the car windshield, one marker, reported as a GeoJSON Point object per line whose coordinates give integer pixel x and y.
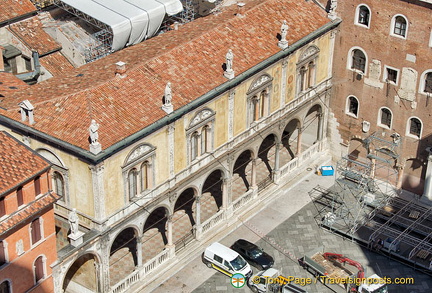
{"type": "Point", "coordinates": [238, 263]}
{"type": "Point", "coordinates": [256, 252]}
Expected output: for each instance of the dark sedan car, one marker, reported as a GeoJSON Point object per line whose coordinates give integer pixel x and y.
{"type": "Point", "coordinates": [253, 254]}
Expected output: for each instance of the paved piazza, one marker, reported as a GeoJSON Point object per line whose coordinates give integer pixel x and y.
{"type": "Point", "coordinates": [286, 229]}
{"type": "Point", "coordinates": [300, 235]}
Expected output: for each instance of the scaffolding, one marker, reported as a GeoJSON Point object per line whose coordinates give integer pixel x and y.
{"type": "Point", "coordinates": [96, 45]}
{"type": "Point", "coordinates": [364, 205]}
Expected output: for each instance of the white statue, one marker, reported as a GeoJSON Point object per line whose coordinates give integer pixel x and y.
{"type": "Point", "coordinates": [168, 94]}
{"type": "Point", "coordinates": [284, 31]}
{"type": "Point", "coordinates": [229, 60]}
{"type": "Point", "coordinates": [73, 221]}
{"type": "Point", "coordinates": [93, 130]}
{"type": "Point", "coordinates": [333, 6]}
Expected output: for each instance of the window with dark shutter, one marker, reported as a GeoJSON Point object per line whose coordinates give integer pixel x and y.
{"type": "Point", "coordinates": [39, 271]}
{"type": "Point", "coordinates": [36, 231]}
{"type": "Point", "coordinates": [37, 186]}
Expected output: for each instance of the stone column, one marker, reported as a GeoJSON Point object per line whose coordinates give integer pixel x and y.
{"type": "Point", "coordinates": [139, 251]}
{"type": "Point", "coordinates": [299, 141]}
{"type": "Point", "coordinates": [276, 171]}
{"type": "Point", "coordinates": [104, 252]}
{"type": "Point", "coordinates": [170, 245]}
{"type": "Point", "coordinates": [198, 227]}
{"type": "Point", "coordinates": [320, 126]}
{"type": "Point", "coordinates": [254, 167]}
{"type": "Point", "coordinates": [427, 191]}
{"type": "Point", "coordinates": [97, 172]}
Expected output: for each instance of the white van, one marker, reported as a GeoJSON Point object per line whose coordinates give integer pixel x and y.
{"type": "Point", "coordinates": [226, 260]}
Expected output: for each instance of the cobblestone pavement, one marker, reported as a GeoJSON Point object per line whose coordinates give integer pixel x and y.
{"type": "Point", "coordinates": [300, 235]}
{"type": "Point", "coordinates": [289, 233]}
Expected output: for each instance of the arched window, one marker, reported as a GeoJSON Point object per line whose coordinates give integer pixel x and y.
{"type": "Point", "coordinates": [399, 26]}
{"type": "Point", "coordinates": [39, 269]}
{"type": "Point", "coordinates": [303, 75]}
{"type": "Point", "coordinates": [59, 183]}
{"type": "Point", "coordinates": [363, 15]}
{"type": "Point", "coordinates": [427, 82]}
{"type": "Point", "coordinates": [132, 182]}
{"type": "Point", "coordinates": [200, 134]}
{"type": "Point", "coordinates": [205, 139]}
{"type": "Point", "coordinates": [145, 175]}
{"type": "Point", "coordinates": [311, 74]}
{"type": "Point", "coordinates": [195, 144]}
{"type": "Point", "coordinates": [414, 127]}
{"type": "Point", "coordinates": [256, 111]}
{"type": "Point", "coordinates": [3, 259]}
{"type": "Point", "coordinates": [5, 287]}
{"type": "Point", "coordinates": [138, 171]}
{"type": "Point", "coordinates": [36, 230]}
{"type": "Point", "coordinates": [358, 60]}
{"type": "Point", "coordinates": [385, 118]}
{"type": "Point", "coordinates": [352, 106]}
{"type": "Point", "coordinates": [263, 101]}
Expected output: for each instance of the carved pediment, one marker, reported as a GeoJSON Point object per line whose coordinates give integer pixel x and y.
{"type": "Point", "coordinates": [312, 50]}
{"type": "Point", "coordinates": [139, 152]}
{"type": "Point", "coordinates": [259, 82]}
{"type": "Point", "coordinates": [201, 116]}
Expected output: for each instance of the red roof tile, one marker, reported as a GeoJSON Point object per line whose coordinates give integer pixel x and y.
{"type": "Point", "coordinates": [190, 58]}
{"type": "Point", "coordinates": [17, 162]}
{"type": "Point", "coordinates": [11, 9]}
{"type": "Point", "coordinates": [31, 32]}
{"type": "Point", "coordinates": [56, 63]}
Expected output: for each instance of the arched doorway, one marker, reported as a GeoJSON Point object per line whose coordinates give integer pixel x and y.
{"type": "Point", "coordinates": [183, 218]}
{"type": "Point", "coordinates": [266, 161]}
{"type": "Point", "coordinates": [82, 275]}
{"type": "Point", "coordinates": [211, 198]}
{"type": "Point", "coordinates": [154, 236]}
{"type": "Point", "coordinates": [290, 138]}
{"type": "Point", "coordinates": [311, 127]}
{"type": "Point", "coordinates": [123, 255]}
{"type": "Point", "coordinates": [242, 174]}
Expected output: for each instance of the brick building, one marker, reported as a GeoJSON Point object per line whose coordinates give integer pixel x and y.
{"type": "Point", "coordinates": [383, 84]}
{"type": "Point", "coordinates": [27, 230]}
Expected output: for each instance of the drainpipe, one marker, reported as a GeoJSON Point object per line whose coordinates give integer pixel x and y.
{"type": "Point", "coordinates": [31, 77]}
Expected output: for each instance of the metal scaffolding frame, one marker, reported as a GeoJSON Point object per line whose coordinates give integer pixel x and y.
{"type": "Point", "coordinates": [364, 205]}
{"type": "Point", "coordinates": [101, 41]}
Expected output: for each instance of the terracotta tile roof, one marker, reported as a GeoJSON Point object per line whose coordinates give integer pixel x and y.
{"type": "Point", "coordinates": [31, 32]}
{"type": "Point", "coordinates": [56, 63]}
{"type": "Point", "coordinates": [190, 58]}
{"type": "Point", "coordinates": [13, 8]}
{"type": "Point", "coordinates": [17, 162]}
{"type": "Point", "coordinates": [28, 211]}
{"type": "Point", "coordinates": [9, 84]}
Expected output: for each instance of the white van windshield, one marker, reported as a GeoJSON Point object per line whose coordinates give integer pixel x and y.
{"type": "Point", "coordinates": [238, 263]}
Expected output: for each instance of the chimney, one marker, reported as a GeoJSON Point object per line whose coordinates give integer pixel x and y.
{"type": "Point", "coordinates": [27, 110]}
{"type": "Point", "coordinates": [240, 9]}
{"type": "Point", "coordinates": [120, 69]}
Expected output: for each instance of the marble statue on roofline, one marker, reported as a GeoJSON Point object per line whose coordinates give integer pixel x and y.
{"type": "Point", "coordinates": [168, 94]}
{"type": "Point", "coordinates": [73, 221]}
{"type": "Point", "coordinates": [229, 60]}
{"type": "Point", "coordinates": [283, 43]}
{"type": "Point", "coordinates": [93, 130]}
{"type": "Point", "coordinates": [284, 30]}
{"type": "Point", "coordinates": [229, 72]}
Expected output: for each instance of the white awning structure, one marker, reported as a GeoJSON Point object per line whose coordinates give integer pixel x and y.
{"type": "Point", "coordinates": [131, 21]}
